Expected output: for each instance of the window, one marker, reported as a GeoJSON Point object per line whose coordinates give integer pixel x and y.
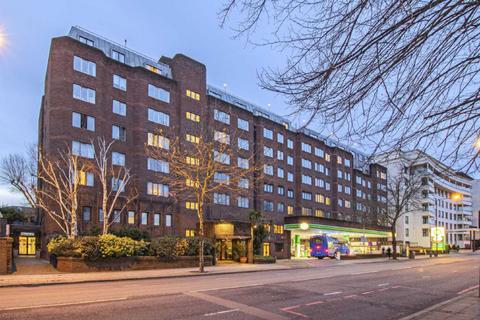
{"type": "Point", "coordinates": [340, 202]}
{"type": "Point", "coordinates": [119, 82]}
{"type": "Point", "coordinates": [306, 179]}
{"type": "Point", "coordinates": [339, 160]}
{"type": "Point", "coordinates": [156, 219]}
{"type": "Point", "coordinates": [319, 198]}
{"type": "Point", "coordinates": [319, 213]}
{"type": "Point", "coordinates": [221, 157]}
{"type": "Point", "coordinates": [306, 211]}
{"type": "Point", "coordinates": [268, 187]}
{"type": "Point", "coordinates": [193, 95]}
{"type": "Point", "coordinates": [189, 233]}
{"type": "Point", "coordinates": [348, 204]}
{"type": "Point", "coordinates": [280, 138]}
{"type": "Point", "coordinates": [268, 169]}
{"type": "Point", "coordinates": [289, 210]}
{"type": "Point", "coordinates": [221, 198]}
{"type": "Point", "coordinates": [266, 249]}
{"type": "Point", "coordinates": [306, 196]}
{"type": "Point", "coordinates": [168, 220]}
{"type": "Point", "coordinates": [118, 185]}
{"type": "Point", "coordinates": [339, 188]}
{"type": "Point", "coordinates": [407, 233]}
{"type": "Point", "coordinates": [243, 183]}
{"type": "Point", "coordinates": [118, 159]}
{"type": "Point", "coordinates": [339, 174]}
{"type": "Point", "coordinates": [327, 157]}
{"type": "Point", "coordinates": [144, 218]}
{"type": "Point", "coordinates": [279, 155]}
{"type": "Point", "coordinates": [153, 69]}
{"type": "Point", "coordinates": [319, 183]}
{"type": "Point", "coordinates": [347, 162]}
{"type": "Point", "coordinates": [347, 190]}
{"type": "Point", "coordinates": [120, 57]}
{"type": "Point", "coordinates": [319, 167]}
{"type": "Point", "coordinates": [117, 218]}
{"type": "Point", "coordinates": [243, 124]}
{"type": "Point", "coordinates": [281, 190]}
{"type": "Point", "coordinates": [327, 201]}
{"type": "Point", "coordinates": [221, 177]}
{"type": "Point", "coordinates": [268, 152]}
{"type": "Point", "coordinates": [425, 219]}
{"type": "Point", "coordinates": [306, 147]}
{"type": "Point", "coordinates": [86, 178]}
{"type": "Point", "coordinates": [157, 165]}
{"type": "Point", "coordinates": [221, 116]}
{"type": "Point", "coordinates": [242, 202]}
{"type": "Point", "coordinates": [242, 163]}
{"type": "Point", "coordinates": [158, 117]}
{"type": "Point", "coordinates": [156, 140]}
{"type": "Point", "coordinates": [157, 189]}
{"type": "Point", "coordinates": [319, 152]}
{"type": "Point", "coordinates": [192, 116]}
{"type": "Point", "coordinates": [306, 163]}
{"type": "Point", "coordinates": [358, 180]}
{"type": "Point", "coordinates": [280, 207]}
{"type": "Point", "coordinates": [222, 137]}
{"type": "Point", "coordinates": [131, 217]}
{"type": "Point", "coordinates": [327, 186]}
{"type": "Point", "coordinates": [280, 173]}
{"type": "Point", "coordinates": [191, 138]}
{"type": "Point", "coordinates": [289, 144]}
{"type": "Point", "coordinates": [84, 66]}
{"type": "Point", "coordinates": [83, 121]}
{"type": "Point", "coordinates": [406, 219]}
{"type": "Point", "coordinates": [243, 144]}
{"type": "Point", "coordinates": [86, 41]}
{"type": "Point", "coordinates": [191, 205]}
{"type": "Point", "coordinates": [290, 160]}
{"type": "Point", "coordinates": [267, 205]}
{"type": "Point", "coordinates": [83, 149]}
{"type": "Point", "coordinates": [86, 213]}
{"type": "Point", "coordinates": [119, 133]}
{"type": "Point", "coordinates": [158, 93]}
{"type": "Point", "coordinates": [192, 161]}
{"type": "Point", "coordinates": [267, 133]}
{"type": "Point", "coordinates": [84, 94]}
{"type": "Point", "coordinates": [119, 108]}
{"type": "Point", "coordinates": [290, 193]}
{"type": "Point", "coordinates": [277, 229]}
{"type": "Point", "coordinates": [290, 176]}
{"type": "Point", "coordinates": [425, 232]}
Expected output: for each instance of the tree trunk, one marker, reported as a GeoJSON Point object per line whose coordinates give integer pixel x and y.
{"type": "Point", "coordinates": [394, 242]}
{"type": "Point", "coordinates": [201, 258]}
{"type": "Point", "coordinates": [104, 207]}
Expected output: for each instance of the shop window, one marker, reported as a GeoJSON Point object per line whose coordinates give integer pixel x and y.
{"type": "Point", "coordinates": [266, 249]}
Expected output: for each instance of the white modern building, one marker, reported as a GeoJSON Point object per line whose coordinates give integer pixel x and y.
{"type": "Point", "coordinates": [446, 200]}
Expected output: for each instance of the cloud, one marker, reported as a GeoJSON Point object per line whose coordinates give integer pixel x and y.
{"type": "Point", "coordinates": [10, 198]}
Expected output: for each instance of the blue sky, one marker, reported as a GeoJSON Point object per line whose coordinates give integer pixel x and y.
{"type": "Point", "coordinates": [154, 28]}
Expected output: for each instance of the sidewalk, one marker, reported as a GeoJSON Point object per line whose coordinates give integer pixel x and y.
{"type": "Point", "coordinates": [464, 307]}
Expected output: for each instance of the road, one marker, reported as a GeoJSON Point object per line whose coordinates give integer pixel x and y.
{"type": "Point", "coordinates": [381, 290]}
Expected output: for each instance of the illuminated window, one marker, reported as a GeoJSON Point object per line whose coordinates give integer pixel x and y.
{"type": "Point", "coordinates": [191, 183]}
{"type": "Point", "coordinates": [156, 140]}
{"type": "Point", "coordinates": [266, 249]}
{"type": "Point", "coordinates": [193, 95]}
{"type": "Point", "coordinates": [348, 204]}
{"type": "Point", "coordinates": [157, 189]}
{"type": "Point", "coordinates": [327, 157]}
{"type": "Point", "coordinates": [131, 217]}
{"type": "Point", "coordinates": [319, 198]}
{"type": "Point", "coordinates": [222, 137]}
{"type": "Point", "coordinates": [278, 229]}
{"type": "Point", "coordinates": [192, 116]}
{"type": "Point", "coordinates": [306, 211]}
{"type": "Point", "coordinates": [192, 138]}
{"type": "Point", "coordinates": [327, 201]}
{"type": "Point", "coordinates": [289, 210]}
{"type": "Point", "coordinates": [193, 161]}
{"type": "Point", "coordinates": [152, 68]}
{"type": "Point", "coordinates": [319, 213]}
{"type": "Point", "coordinates": [191, 205]}
{"type": "Point", "coordinates": [339, 160]}
{"type": "Point", "coordinates": [189, 233]}
{"type": "Point", "coordinates": [86, 178]}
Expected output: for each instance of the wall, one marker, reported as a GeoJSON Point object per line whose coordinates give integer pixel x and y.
{"type": "Point", "coordinates": [6, 262]}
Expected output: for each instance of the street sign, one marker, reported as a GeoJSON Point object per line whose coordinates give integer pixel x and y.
{"type": "Point", "coordinates": [437, 235]}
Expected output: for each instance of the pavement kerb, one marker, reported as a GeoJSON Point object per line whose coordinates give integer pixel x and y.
{"type": "Point", "coordinates": [437, 306]}
{"type": "Point", "coordinates": [190, 274]}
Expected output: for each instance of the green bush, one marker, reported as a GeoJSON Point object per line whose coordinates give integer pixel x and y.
{"type": "Point", "coordinates": [239, 249]}
{"type": "Point", "coordinates": [193, 247]}
{"type": "Point", "coordinates": [63, 247]}
{"type": "Point", "coordinates": [112, 246]}
{"type": "Point", "coordinates": [133, 233]}
{"type": "Point", "coordinates": [90, 247]}
{"type": "Point", "coordinates": [168, 247]}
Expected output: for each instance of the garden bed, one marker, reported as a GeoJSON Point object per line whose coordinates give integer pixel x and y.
{"type": "Point", "coordinates": [264, 260]}
{"type": "Point", "coordinates": [73, 264]}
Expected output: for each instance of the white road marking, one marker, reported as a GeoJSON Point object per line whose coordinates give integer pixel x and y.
{"type": "Point", "coordinates": [332, 293]}
{"type": "Point", "coordinates": [314, 303]}
{"type": "Point", "coordinates": [219, 312]}
{"type": "Point", "coordinates": [289, 310]}
{"type": "Point", "coordinates": [350, 296]}
{"type": "Point", "coordinates": [63, 304]}
{"type": "Point", "coordinates": [468, 289]}
{"type": "Point", "coordinates": [383, 284]}
{"type": "Point", "coordinates": [368, 292]}
{"type": "Point", "coordinates": [231, 287]}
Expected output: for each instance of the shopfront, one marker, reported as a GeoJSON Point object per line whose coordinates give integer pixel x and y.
{"type": "Point", "coordinates": [360, 241]}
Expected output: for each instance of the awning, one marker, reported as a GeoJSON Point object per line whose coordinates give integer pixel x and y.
{"type": "Point", "coordinates": [332, 229]}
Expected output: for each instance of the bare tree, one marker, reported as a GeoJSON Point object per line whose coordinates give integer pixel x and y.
{"type": "Point", "coordinates": [19, 171]}
{"type": "Point", "coordinates": [197, 169]}
{"type": "Point", "coordinates": [391, 74]}
{"type": "Point", "coordinates": [114, 180]}
{"type": "Point", "coordinates": [404, 194]}
{"type": "Point", "coordinates": [60, 178]}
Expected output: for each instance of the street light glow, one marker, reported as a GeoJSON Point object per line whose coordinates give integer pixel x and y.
{"type": "Point", "coordinates": [457, 197]}
{"type": "Point", "coordinates": [477, 144]}
{"type": "Point", "coordinates": [3, 38]}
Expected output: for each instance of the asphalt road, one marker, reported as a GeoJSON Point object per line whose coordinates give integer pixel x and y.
{"type": "Point", "coordinates": [388, 290]}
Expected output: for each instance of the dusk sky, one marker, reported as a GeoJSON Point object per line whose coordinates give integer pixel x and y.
{"type": "Point", "coordinates": [154, 29]}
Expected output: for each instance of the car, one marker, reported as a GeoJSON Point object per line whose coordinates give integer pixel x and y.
{"type": "Point", "coordinates": [322, 246]}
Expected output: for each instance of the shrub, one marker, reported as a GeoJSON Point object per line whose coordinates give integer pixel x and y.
{"type": "Point", "coordinates": [193, 246]}
{"type": "Point", "coordinates": [90, 247]}
{"type": "Point", "coordinates": [133, 233]}
{"type": "Point", "coordinates": [112, 246]}
{"type": "Point", "coordinates": [263, 260]}
{"type": "Point", "coordinates": [168, 247]}
{"type": "Point", "coordinates": [63, 247]}
{"type": "Point", "coordinates": [239, 249]}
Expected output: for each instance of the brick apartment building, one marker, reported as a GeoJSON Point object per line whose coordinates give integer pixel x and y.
{"type": "Point", "coordinates": [311, 184]}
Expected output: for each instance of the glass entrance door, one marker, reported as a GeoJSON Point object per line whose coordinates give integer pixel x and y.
{"type": "Point", "coordinates": [26, 245]}
{"type": "Point", "coordinates": [225, 250]}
